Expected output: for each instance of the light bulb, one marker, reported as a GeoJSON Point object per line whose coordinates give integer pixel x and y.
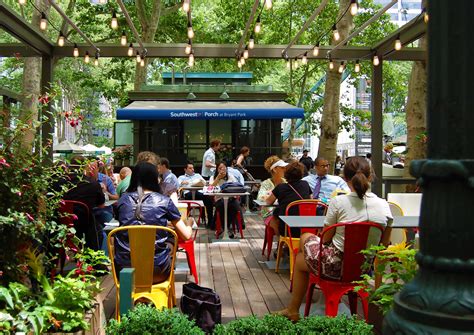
{"type": "Point", "coordinates": [191, 58]}
{"type": "Point", "coordinates": [187, 49]}
{"type": "Point", "coordinates": [186, 6]}
{"type": "Point", "coordinates": [426, 17]}
{"type": "Point", "coordinates": [139, 58]}
{"type": "Point", "coordinates": [43, 22]}
{"type": "Point", "coordinates": [331, 64]}
{"type": "Point", "coordinates": [354, 7]}
{"type": "Point", "coordinates": [335, 33]}
{"type": "Point", "coordinates": [239, 64]}
{"type": "Point", "coordinates": [102, 2]}
{"type": "Point", "coordinates": [190, 32]}
{"type": "Point", "coordinates": [123, 39]}
{"type": "Point", "coordinates": [398, 43]}
{"type": "Point", "coordinates": [75, 52]}
{"type": "Point", "coordinates": [22, 2]}
{"type": "Point", "coordinates": [341, 67]}
{"type": "Point", "coordinates": [251, 42]}
{"type": "Point", "coordinates": [96, 60]}
{"type": "Point", "coordinates": [114, 22]}
{"type": "Point", "coordinates": [268, 4]}
{"type": "Point", "coordinates": [304, 60]}
{"type": "Point", "coordinates": [242, 60]}
{"type": "Point", "coordinates": [316, 50]}
{"type": "Point", "coordinates": [357, 67]}
{"type": "Point", "coordinates": [61, 39]}
{"type": "Point", "coordinates": [258, 25]}
{"type": "Point", "coordinates": [376, 60]}
{"type": "Point", "coordinates": [86, 57]}
{"type": "Point", "coordinates": [246, 53]}
{"type": "Point", "coordinates": [130, 50]}
{"type": "Point", "coordinates": [142, 62]}
{"type": "Point", "coordinates": [288, 64]}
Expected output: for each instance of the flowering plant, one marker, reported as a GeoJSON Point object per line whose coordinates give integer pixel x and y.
{"type": "Point", "coordinates": [123, 152]}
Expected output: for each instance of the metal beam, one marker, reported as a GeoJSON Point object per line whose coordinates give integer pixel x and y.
{"type": "Point", "coordinates": [409, 33]}
{"type": "Point", "coordinates": [17, 50]}
{"type": "Point", "coordinates": [228, 51]}
{"type": "Point", "coordinates": [376, 126]}
{"type": "Point", "coordinates": [24, 31]}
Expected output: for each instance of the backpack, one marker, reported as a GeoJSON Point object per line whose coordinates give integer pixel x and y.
{"type": "Point", "coordinates": [201, 304]}
{"type": "Point", "coordinates": [233, 187]}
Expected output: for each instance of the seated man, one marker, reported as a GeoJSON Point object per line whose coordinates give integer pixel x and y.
{"type": "Point", "coordinates": [125, 172]}
{"type": "Point", "coordinates": [190, 178]}
{"type": "Point", "coordinates": [169, 182]}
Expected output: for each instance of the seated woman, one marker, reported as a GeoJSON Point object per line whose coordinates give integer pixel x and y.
{"type": "Point", "coordinates": [143, 204]}
{"type": "Point", "coordinates": [219, 178]}
{"type": "Point", "coordinates": [276, 167]}
{"type": "Point", "coordinates": [294, 189]}
{"type": "Point", "coordinates": [357, 206]}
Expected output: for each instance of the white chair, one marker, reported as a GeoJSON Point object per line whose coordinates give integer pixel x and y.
{"type": "Point", "coordinates": [410, 203]}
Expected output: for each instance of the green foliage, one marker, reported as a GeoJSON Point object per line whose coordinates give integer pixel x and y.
{"type": "Point", "coordinates": [333, 326]}
{"type": "Point", "coordinates": [91, 262]}
{"type": "Point", "coordinates": [400, 260]}
{"type": "Point", "coordinates": [269, 324]}
{"type": "Point", "coordinates": [147, 320]}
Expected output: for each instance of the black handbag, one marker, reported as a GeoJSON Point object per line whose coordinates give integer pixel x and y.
{"type": "Point", "coordinates": [202, 305]}
{"type": "Point", "coordinates": [233, 187]}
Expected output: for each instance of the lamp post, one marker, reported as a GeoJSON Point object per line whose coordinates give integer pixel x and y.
{"type": "Point", "coordinates": [440, 300]}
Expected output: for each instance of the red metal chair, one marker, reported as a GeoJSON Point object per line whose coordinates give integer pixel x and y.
{"type": "Point", "coordinates": [188, 245]}
{"type": "Point", "coordinates": [356, 234]}
{"type": "Point", "coordinates": [237, 219]}
{"type": "Point", "coordinates": [306, 207]}
{"type": "Point", "coordinates": [268, 239]}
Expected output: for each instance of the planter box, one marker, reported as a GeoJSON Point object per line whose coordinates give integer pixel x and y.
{"type": "Point", "coordinates": [375, 318]}
{"type": "Point", "coordinates": [96, 317]}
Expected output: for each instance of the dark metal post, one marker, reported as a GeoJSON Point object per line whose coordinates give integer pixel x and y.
{"type": "Point", "coordinates": [46, 113]}
{"type": "Point", "coordinates": [440, 300]}
{"type": "Point", "coordinates": [376, 126]}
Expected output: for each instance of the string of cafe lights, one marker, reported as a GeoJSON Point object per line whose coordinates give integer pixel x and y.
{"type": "Point", "coordinates": [188, 50]}
{"type": "Point", "coordinates": [245, 54]}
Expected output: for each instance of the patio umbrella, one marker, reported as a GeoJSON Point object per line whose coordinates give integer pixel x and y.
{"type": "Point", "coordinates": [67, 147]}
{"type": "Point", "coordinates": [90, 148]}
{"type": "Point", "coordinates": [106, 150]}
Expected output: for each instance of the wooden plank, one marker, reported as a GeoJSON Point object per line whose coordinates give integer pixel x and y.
{"type": "Point", "coordinates": [237, 291]}
{"type": "Point", "coordinates": [220, 283]}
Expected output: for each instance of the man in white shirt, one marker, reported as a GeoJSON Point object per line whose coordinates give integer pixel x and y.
{"type": "Point", "coordinates": [323, 184]}
{"type": "Point", "coordinates": [190, 178]}
{"type": "Point", "coordinates": [209, 159]}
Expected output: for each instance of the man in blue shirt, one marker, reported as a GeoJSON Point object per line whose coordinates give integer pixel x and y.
{"type": "Point", "coordinates": [323, 184]}
{"type": "Point", "coordinates": [236, 173]}
{"type": "Point", "coordinates": [169, 182]}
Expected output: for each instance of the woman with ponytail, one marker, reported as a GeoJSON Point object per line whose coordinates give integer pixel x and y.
{"type": "Point", "coordinates": [358, 206]}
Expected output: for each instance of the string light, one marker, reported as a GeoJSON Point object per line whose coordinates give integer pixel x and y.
{"type": "Point", "coordinates": [354, 7]}
{"type": "Point", "coordinates": [86, 57]}
{"type": "Point", "coordinates": [139, 58]}
{"type": "Point", "coordinates": [316, 50]}
{"type": "Point", "coordinates": [398, 43]}
{"type": "Point", "coordinates": [242, 60]}
{"type": "Point", "coordinates": [96, 60]}
{"type": "Point", "coordinates": [304, 60]}
{"type": "Point", "coordinates": [258, 26]}
{"type": "Point", "coordinates": [191, 59]}
{"type": "Point", "coordinates": [335, 33]}
{"type": "Point", "coordinates": [22, 2]}
{"type": "Point", "coordinates": [75, 52]}
{"type": "Point", "coordinates": [341, 67]}
{"type": "Point", "coordinates": [187, 49]}
{"type": "Point", "coordinates": [357, 67]}
{"type": "Point", "coordinates": [123, 39]}
{"type": "Point", "coordinates": [331, 64]}
{"type": "Point", "coordinates": [190, 31]}
{"type": "Point", "coordinates": [142, 61]}
{"type": "Point", "coordinates": [251, 42]}
{"type": "Point", "coordinates": [376, 60]}
{"type": "Point", "coordinates": [246, 52]}
{"type": "Point", "coordinates": [239, 64]}
{"type": "Point", "coordinates": [426, 17]}
{"type": "Point", "coordinates": [288, 64]}
{"type": "Point", "coordinates": [186, 6]}
{"type": "Point", "coordinates": [114, 22]}
{"type": "Point", "coordinates": [43, 22]}
{"type": "Point", "coordinates": [268, 4]}
{"type": "Point", "coordinates": [130, 50]}
{"type": "Point", "coordinates": [61, 39]}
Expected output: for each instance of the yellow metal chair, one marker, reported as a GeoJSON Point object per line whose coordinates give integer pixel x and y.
{"type": "Point", "coordinates": [142, 251]}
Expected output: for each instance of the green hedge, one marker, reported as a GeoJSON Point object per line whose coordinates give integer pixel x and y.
{"type": "Point", "coordinates": [145, 320]}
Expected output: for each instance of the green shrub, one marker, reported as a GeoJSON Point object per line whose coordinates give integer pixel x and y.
{"type": "Point", "coordinates": [333, 326]}
{"type": "Point", "coordinates": [147, 320]}
{"type": "Point", "coordinates": [269, 325]}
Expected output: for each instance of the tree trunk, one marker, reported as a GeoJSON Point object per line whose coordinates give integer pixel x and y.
{"type": "Point", "coordinates": [415, 113]}
{"type": "Point", "coordinates": [330, 118]}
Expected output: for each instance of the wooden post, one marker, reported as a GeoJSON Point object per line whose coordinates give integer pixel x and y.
{"type": "Point", "coordinates": [376, 126]}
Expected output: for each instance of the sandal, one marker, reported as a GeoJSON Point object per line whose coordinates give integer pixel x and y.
{"type": "Point", "coordinates": [293, 317]}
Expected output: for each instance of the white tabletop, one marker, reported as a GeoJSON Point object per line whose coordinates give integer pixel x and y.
{"type": "Point", "coordinates": [318, 221]}
{"type": "Point", "coordinates": [264, 203]}
{"type": "Point", "coordinates": [253, 182]}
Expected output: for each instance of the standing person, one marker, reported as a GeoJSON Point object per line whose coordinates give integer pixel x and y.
{"type": "Point", "coordinates": [387, 153]}
{"type": "Point", "coordinates": [322, 184]}
{"type": "Point", "coordinates": [169, 182]}
{"type": "Point", "coordinates": [307, 161]}
{"type": "Point", "coordinates": [220, 177]}
{"type": "Point", "coordinates": [294, 189]}
{"type": "Point", "coordinates": [358, 206]}
{"type": "Point", "coordinates": [338, 164]}
{"type": "Point", "coordinates": [209, 159]}
{"type": "Point", "coordinates": [153, 209]}
{"type": "Point", "coordinates": [241, 162]}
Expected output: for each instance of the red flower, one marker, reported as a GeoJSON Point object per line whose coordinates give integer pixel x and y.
{"type": "Point", "coordinates": [90, 268]}
{"type": "Point", "coordinates": [28, 215]}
